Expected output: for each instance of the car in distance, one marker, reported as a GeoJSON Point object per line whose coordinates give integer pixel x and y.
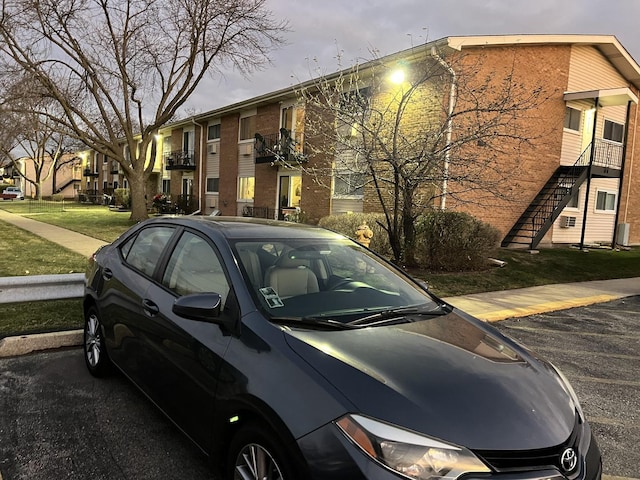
{"type": "Point", "coordinates": [290, 352]}
{"type": "Point", "coordinates": [11, 193]}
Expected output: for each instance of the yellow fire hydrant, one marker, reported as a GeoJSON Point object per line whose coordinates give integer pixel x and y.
{"type": "Point", "coordinates": [364, 235]}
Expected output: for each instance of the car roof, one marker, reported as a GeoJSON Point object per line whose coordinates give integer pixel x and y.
{"type": "Point", "coordinates": [248, 227]}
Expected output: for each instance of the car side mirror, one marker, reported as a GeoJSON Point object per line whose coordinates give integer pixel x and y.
{"type": "Point", "coordinates": [198, 306]}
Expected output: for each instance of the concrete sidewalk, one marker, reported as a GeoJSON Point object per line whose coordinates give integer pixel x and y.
{"type": "Point", "coordinates": [521, 302]}
{"type": "Point", "coordinates": [73, 241]}
{"type": "Point", "coordinates": [489, 306]}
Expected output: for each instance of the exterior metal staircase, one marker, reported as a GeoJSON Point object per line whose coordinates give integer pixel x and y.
{"type": "Point", "coordinates": [65, 185]}
{"type": "Point", "coordinates": [563, 185]}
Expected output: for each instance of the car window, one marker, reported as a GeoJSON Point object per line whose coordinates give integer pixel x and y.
{"type": "Point", "coordinates": [143, 251]}
{"type": "Point", "coordinates": [322, 278]}
{"type": "Point", "coordinates": [194, 267]}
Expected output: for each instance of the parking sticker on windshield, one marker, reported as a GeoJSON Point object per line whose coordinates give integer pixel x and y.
{"type": "Point", "coordinates": [271, 297]}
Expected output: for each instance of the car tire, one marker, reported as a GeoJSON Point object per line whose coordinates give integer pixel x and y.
{"type": "Point", "coordinates": [95, 350]}
{"type": "Point", "coordinates": [256, 454]}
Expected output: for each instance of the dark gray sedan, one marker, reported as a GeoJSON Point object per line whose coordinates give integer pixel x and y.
{"type": "Point", "coordinates": [291, 352]}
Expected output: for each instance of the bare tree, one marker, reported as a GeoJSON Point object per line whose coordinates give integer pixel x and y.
{"type": "Point", "coordinates": [446, 131]}
{"type": "Point", "coordinates": [120, 69]}
{"type": "Point", "coordinates": [34, 138]}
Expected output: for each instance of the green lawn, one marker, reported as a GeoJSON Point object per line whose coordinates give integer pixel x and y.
{"type": "Point", "coordinates": [549, 266]}
{"type": "Point", "coordinates": [26, 254]}
{"type": "Point", "coordinates": [94, 220]}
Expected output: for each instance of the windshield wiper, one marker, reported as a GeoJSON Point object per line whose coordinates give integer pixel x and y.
{"type": "Point", "coordinates": [400, 313]}
{"type": "Point", "coordinates": [313, 322]}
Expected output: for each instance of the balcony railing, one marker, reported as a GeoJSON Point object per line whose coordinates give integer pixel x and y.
{"type": "Point", "coordinates": [87, 172]}
{"type": "Point", "coordinates": [179, 160]}
{"type": "Point", "coordinates": [279, 149]}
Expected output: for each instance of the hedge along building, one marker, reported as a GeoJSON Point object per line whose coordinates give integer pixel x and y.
{"type": "Point", "coordinates": [571, 181]}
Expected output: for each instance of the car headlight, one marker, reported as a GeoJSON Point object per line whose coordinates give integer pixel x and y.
{"type": "Point", "coordinates": [413, 455]}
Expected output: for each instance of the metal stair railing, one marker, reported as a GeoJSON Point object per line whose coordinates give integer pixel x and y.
{"type": "Point", "coordinates": [548, 203]}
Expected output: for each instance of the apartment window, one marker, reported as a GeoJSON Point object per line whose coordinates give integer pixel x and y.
{"type": "Point", "coordinates": [213, 185]}
{"type": "Point", "coordinates": [166, 185]}
{"type": "Point", "coordinates": [348, 184]}
{"type": "Point", "coordinates": [613, 131]}
{"type": "Point", "coordinates": [246, 188]}
{"type": "Point", "coordinates": [247, 127]}
{"type": "Point", "coordinates": [572, 118]}
{"type": "Point", "coordinates": [605, 201]}
{"type": "Point", "coordinates": [573, 203]}
{"type": "Point", "coordinates": [213, 132]}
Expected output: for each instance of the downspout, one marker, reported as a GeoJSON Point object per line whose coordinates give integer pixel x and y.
{"type": "Point", "coordinates": [633, 151]}
{"type": "Point", "coordinates": [620, 182]}
{"type": "Point", "coordinates": [201, 166]}
{"type": "Point", "coordinates": [449, 128]}
{"type": "Point", "coordinates": [592, 155]}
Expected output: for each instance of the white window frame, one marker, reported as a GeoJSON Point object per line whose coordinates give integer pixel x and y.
{"type": "Point", "coordinates": [604, 128]}
{"type": "Point", "coordinates": [339, 174]}
{"type": "Point", "coordinates": [213, 124]}
{"type": "Point", "coordinates": [252, 113]}
{"type": "Point", "coordinates": [607, 211]}
{"type": "Point", "coordinates": [240, 188]}
{"type": "Point", "coordinates": [568, 109]}
{"type": "Point", "coordinates": [207, 185]}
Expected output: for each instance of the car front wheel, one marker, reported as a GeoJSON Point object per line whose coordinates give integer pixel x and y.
{"type": "Point", "coordinates": [255, 455]}
{"type": "Point", "coordinates": [95, 352]}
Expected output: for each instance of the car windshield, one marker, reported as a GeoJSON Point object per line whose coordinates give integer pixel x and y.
{"type": "Point", "coordinates": [320, 279]}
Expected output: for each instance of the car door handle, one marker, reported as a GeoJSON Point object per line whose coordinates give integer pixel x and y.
{"type": "Point", "coordinates": [107, 274]}
{"type": "Point", "coordinates": [150, 308]}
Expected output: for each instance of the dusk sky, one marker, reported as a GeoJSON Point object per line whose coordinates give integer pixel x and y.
{"type": "Point", "coordinates": [321, 28]}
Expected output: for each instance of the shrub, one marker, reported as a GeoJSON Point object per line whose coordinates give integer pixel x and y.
{"type": "Point", "coordinates": [348, 223]}
{"type": "Point", "coordinates": [453, 241]}
{"type": "Point", "coordinates": [122, 197]}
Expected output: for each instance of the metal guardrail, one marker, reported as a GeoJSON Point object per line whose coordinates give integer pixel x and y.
{"type": "Point", "coordinates": [41, 287]}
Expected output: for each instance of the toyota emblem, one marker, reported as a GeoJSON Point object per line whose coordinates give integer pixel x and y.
{"type": "Point", "coordinates": [568, 460]}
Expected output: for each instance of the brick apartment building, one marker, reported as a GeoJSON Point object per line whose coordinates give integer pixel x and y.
{"type": "Point", "coordinates": [576, 183]}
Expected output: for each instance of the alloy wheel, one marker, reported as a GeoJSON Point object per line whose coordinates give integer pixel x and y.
{"type": "Point", "coordinates": [254, 462]}
{"type": "Point", "coordinates": [92, 340]}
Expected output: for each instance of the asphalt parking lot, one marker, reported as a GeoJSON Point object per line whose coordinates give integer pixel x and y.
{"type": "Point", "coordinates": [56, 421]}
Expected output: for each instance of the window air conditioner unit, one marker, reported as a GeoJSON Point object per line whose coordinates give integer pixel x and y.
{"type": "Point", "coordinates": [246, 148]}
{"type": "Point", "coordinates": [567, 222]}
{"type": "Point", "coordinates": [212, 148]}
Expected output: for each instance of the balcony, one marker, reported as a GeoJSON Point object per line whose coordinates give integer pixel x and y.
{"type": "Point", "coordinates": [88, 172]}
{"type": "Point", "coordinates": [279, 149]}
{"type": "Point", "coordinates": [114, 168]}
{"type": "Point", "coordinates": [179, 160]}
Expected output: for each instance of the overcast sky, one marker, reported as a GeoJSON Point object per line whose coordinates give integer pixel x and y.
{"type": "Point", "coordinates": [321, 28]}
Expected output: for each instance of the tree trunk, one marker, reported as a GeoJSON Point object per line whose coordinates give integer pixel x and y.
{"type": "Point", "coordinates": [138, 194]}
{"type": "Point", "coordinates": [409, 229]}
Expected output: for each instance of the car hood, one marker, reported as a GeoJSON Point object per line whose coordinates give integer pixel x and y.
{"type": "Point", "coordinates": [448, 376]}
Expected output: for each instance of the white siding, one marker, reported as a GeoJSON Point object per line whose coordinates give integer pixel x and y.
{"type": "Point", "coordinates": [212, 171]}
{"type": "Point", "coordinates": [590, 70]}
{"type": "Point", "coordinates": [599, 224]}
{"type": "Point", "coordinates": [572, 141]}
{"type": "Point", "coordinates": [246, 166]}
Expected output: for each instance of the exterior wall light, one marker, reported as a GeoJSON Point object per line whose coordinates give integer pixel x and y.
{"type": "Point", "coordinates": [397, 77]}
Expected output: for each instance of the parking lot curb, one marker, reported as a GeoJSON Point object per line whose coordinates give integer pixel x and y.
{"type": "Point", "coordinates": [23, 344]}
{"type": "Point", "coordinates": [547, 307]}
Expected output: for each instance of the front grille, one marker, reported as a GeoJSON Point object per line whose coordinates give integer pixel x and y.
{"type": "Point", "coordinates": [538, 459]}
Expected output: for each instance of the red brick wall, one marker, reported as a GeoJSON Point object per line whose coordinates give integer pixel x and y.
{"type": "Point", "coordinates": [526, 167]}
{"type": "Point", "coordinates": [228, 192]}
{"type": "Point", "coordinates": [316, 197]}
{"type": "Point", "coordinates": [267, 123]}
{"type": "Point", "coordinates": [630, 198]}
